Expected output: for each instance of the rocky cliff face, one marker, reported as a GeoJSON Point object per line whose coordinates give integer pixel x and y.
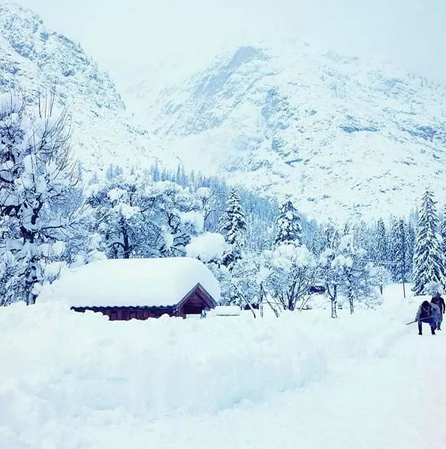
{"type": "Point", "coordinates": [339, 135]}
{"type": "Point", "coordinates": [36, 61]}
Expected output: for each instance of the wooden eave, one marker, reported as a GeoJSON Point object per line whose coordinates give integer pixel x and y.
{"type": "Point", "coordinates": [202, 293]}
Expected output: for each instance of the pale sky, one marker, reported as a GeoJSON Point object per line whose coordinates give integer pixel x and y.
{"type": "Point", "coordinates": [128, 33]}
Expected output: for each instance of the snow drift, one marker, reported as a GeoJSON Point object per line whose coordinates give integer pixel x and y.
{"type": "Point", "coordinates": [70, 380]}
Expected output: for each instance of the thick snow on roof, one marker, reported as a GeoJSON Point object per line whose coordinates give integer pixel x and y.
{"type": "Point", "coordinates": [134, 282]}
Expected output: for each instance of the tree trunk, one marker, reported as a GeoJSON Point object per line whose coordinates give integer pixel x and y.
{"type": "Point", "coordinates": [126, 243]}
{"type": "Point", "coordinates": [262, 296]}
{"type": "Point", "coordinates": [30, 282]}
{"type": "Point", "coordinates": [334, 301]}
{"type": "Point", "coordinates": [403, 278]}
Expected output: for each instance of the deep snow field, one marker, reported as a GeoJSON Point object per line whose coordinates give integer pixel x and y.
{"type": "Point", "coordinates": [78, 381]}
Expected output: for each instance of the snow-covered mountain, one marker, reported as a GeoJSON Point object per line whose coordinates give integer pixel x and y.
{"type": "Point", "coordinates": [35, 60]}
{"type": "Point", "coordinates": [339, 135]}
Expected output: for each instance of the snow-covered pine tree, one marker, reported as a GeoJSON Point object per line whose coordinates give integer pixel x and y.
{"type": "Point", "coordinates": [361, 236]}
{"type": "Point", "coordinates": [38, 194]}
{"type": "Point", "coordinates": [289, 228]}
{"type": "Point", "coordinates": [443, 233]}
{"type": "Point", "coordinates": [400, 252]}
{"type": "Point", "coordinates": [331, 237]}
{"type": "Point", "coordinates": [410, 248]}
{"type": "Point", "coordinates": [381, 244]}
{"type": "Point", "coordinates": [314, 238]}
{"type": "Point", "coordinates": [393, 241]}
{"type": "Point", "coordinates": [428, 260]}
{"type": "Point", "coordinates": [233, 227]}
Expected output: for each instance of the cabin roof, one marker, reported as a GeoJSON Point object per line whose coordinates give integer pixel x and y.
{"type": "Point", "coordinates": [135, 282]}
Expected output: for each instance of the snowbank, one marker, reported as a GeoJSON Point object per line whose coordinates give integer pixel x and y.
{"type": "Point", "coordinates": [73, 361]}
{"type": "Point", "coordinates": [65, 373]}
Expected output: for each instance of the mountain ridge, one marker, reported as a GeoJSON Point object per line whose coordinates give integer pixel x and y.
{"type": "Point", "coordinates": [36, 62]}
{"type": "Point", "coordinates": [328, 131]}
{"type": "Point", "coordinates": [340, 136]}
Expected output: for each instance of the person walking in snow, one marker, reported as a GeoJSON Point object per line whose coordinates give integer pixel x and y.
{"type": "Point", "coordinates": [439, 302]}
{"type": "Point", "coordinates": [425, 315]}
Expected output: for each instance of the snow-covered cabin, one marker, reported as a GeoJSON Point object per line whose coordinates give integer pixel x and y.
{"type": "Point", "coordinates": [126, 289]}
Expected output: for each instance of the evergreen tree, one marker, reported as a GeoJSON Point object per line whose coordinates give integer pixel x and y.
{"type": "Point", "coordinates": [233, 227]}
{"type": "Point", "coordinates": [443, 233]}
{"type": "Point", "coordinates": [331, 237]}
{"type": "Point", "coordinates": [381, 244]}
{"type": "Point", "coordinates": [289, 228]}
{"type": "Point", "coordinates": [428, 259]}
{"type": "Point", "coordinates": [400, 252]}
{"type": "Point", "coordinates": [361, 235]}
{"type": "Point", "coordinates": [393, 241]}
{"type": "Point", "coordinates": [410, 249]}
{"type": "Point", "coordinates": [314, 237]}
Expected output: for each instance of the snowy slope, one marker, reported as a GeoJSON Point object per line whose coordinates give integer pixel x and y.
{"type": "Point", "coordinates": [366, 381]}
{"type": "Point", "coordinates": [340, 135]}
{"type": "Point", "coordinates": [36, 60]}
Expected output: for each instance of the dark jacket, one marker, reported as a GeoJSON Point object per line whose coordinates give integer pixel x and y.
{"type": "Point", "coordinates": [439, 301]}
{"type": "Point", "coordinates": [425, 312]}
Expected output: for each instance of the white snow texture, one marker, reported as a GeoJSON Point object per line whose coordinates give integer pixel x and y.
{"type": "Point", "coordinates": [132, 282]}
{"type": "Point", "coordinates": [70, 380]}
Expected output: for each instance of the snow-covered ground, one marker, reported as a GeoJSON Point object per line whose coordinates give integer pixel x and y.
{"type": "Point", "coordinates": [72, 381]}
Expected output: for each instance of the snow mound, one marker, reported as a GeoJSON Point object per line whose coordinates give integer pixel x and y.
{"type": "Point", "coordinates": [66, 365]}
{"type": "Point", "coordinates": [133, 282]}
{"type": "Point", "coordinates": [207, 247]}
{"type": "Point", "coordinates": [71, 380]}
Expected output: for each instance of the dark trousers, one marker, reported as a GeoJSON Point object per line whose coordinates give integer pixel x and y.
{"type": "Point", "coordinates": [432, 325]}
